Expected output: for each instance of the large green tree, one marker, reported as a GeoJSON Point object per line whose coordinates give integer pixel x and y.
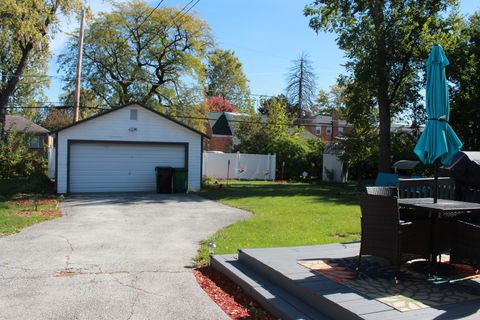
{"type": "Point", "coordinates": [386, 43]}
{"type": "Point", "coordinates": [330, 101]}
{"type": "Point", "coordinates": [269, 103]}
{"type": "Point", "coordinates": [464, 73]}
{"type": "Point", "coordinates": [226, 79]}
{"type": "Point", "coordinates": [25, 29]}
{"type": "Point", "coordinates": [131, 57]}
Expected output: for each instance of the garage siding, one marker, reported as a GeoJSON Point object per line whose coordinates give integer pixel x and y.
{"type": "Point", "coordinates": [117, 126]}
{"type": "Point", "coordinates": [120, 167]}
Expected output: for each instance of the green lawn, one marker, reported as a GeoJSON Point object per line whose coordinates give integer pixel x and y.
{"type": "Point", "coordinates": [18, 211]}
{"type": "Point", "coordinates": [290, 214]}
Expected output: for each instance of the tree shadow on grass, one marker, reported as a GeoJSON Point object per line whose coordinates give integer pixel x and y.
{"type": "Point", "coordinates": [341, 194]}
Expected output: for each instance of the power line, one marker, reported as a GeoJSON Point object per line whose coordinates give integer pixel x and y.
{"type": "Point", "coordinates": [297, 124]}
{"type": "Point", "coordinates": [151, 12]}
{"type": "Point", "coordinates": [173, 19]}
{"type": "Point", "coordinates": [261, 95]}
{"type": "Point", "coordinates": [144, 20]}
{"type": "Point", "coordinates": [36, 76]}
{"type": "Point", "coordinates": [180, 12]}
{"type": "Point", "coordinates": [241, 47]}
{"type": "Point", "coordinates": [185, 13]}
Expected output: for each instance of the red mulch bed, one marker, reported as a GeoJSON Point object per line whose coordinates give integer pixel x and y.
{"type": "Point", "coordinates": [229, 296]}
{"type": "Point", "coordinates": [26, 213]}
{"type": "Point", "coordinates": [49, 213]}
{"type": "Point", "coordinates": [31, 203]}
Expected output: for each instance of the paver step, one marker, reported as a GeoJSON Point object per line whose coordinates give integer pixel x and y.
{"type": "Point", "coordinates": [314, 290]}
{"type": "Point", "coordinates": [274, 299]}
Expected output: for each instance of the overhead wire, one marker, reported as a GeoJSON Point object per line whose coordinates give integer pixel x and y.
{"type": "Point", "coordinates": [144, 20]}
{"type": "Point", "coordinates": [293, 124]}
{"type": "Point", "coordinates": [185, 13]}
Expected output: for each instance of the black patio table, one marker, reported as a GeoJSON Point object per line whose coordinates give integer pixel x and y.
{"type": "Point", "coordinates": [443, 208]}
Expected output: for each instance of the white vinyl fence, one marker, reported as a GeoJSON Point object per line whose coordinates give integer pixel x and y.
{"type": "Point", "coordinates": [242, 166]}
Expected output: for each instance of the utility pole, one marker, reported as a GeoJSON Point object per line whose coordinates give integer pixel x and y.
{"type": "Point", "coordinates": [76, 104]}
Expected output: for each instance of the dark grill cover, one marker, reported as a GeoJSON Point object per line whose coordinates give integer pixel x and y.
{"type": "Point", "coordinates": [465, 170]}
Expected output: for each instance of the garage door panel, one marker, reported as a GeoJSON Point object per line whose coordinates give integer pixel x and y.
{"type": "Point", "coordinates": [120, 167]}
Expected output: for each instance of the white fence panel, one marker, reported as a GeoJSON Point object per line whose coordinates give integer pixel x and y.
{"type": "Point", "coordinates": [242, 166]}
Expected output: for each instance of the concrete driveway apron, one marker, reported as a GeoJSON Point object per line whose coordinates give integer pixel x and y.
{"type": "Point", "coordinates": [121, 256]}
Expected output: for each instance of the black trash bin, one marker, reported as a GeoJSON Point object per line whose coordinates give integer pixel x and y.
{"type": "Point", "coordinates": [164, 177]}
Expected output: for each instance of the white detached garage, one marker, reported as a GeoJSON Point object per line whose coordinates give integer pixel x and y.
{"type": "Point", "coordinates": [117, 151]}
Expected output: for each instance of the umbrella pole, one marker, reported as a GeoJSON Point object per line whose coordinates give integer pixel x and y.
{"type": "Point", "coordinates": [435, 184]}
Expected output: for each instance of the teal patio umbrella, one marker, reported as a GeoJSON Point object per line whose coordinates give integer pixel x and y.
{"type": "Point", "coordinates": [438, 142]}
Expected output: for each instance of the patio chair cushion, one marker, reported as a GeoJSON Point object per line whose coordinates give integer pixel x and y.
{"type": "Point", "coordinates": [385, 179]}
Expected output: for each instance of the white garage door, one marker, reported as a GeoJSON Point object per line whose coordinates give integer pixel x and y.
{"type": "Point", "coordinates": [120, 167]}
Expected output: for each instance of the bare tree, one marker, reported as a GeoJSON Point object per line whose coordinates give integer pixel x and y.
{"type": "Point", "coordinates": [301, 85]}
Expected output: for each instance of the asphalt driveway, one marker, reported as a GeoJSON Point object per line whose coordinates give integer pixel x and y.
{"type": "Point", "coordinates": [112, 257]}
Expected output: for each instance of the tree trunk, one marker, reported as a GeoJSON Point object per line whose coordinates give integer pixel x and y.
{"type": "Point", "coordinates": [11, 85]}
{"type": "Point", "coordinates": [382, 81]}
{"type": "Point", "coordinates": [9, 89]}
{"type": "Point", "coordinates": [384, 144]}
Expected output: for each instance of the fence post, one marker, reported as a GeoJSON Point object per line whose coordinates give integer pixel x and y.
{"type": "Point", "coordinates": [273, 167]}
{"type": "Point", "coordinates": [268, 168]}
{"type": "Point", "coordinates": [228, 170]}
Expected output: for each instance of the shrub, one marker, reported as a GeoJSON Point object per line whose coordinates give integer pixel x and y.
{"type": "Point", "coordinates": [274, 134]}
{"type": "Point", "coordinates": [300, 155]}
{"type": "Point", "coordinates": [16, 159]}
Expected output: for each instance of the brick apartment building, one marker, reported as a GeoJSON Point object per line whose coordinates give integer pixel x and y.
{"type": "Point", "coordinates": [327, 128]}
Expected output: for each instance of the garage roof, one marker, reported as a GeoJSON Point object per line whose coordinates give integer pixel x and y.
{"type": "Point", "coordinates": [130, 104]}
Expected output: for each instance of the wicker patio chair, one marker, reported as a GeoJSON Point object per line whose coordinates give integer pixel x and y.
{"type": "Point", "coordinates": [405, 214]}
{"type": "Point", "coordinates": [384, 235]}
{"type": "Point", "coordinates": [466, 244]}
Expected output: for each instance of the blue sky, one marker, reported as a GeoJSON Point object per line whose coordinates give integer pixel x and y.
{"type": "Point", "coordinates": [266, 35]}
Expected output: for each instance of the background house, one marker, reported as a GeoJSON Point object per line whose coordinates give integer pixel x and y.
{"type": "Point", "coordinates": [327, 127]}
{"type": "Point", "coordinates": [39, 138]}
{"type": "Point", "coordinates": [221, 129]}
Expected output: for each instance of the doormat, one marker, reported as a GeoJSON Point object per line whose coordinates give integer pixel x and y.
{"type": "Point", "coordinates": [414, 290]}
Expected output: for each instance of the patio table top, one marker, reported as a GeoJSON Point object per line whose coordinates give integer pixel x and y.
{"type": "Point", "coordinates": [442, 205]}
